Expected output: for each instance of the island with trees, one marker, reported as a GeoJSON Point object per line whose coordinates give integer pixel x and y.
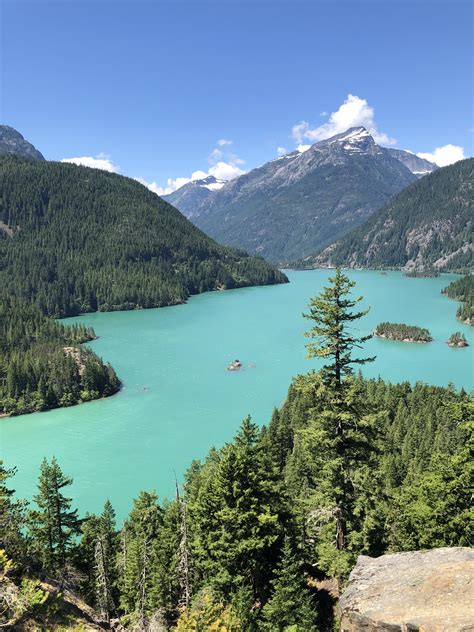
{"type": "Point", "coordinates": [346, 466]}
{"type": "Point", "coordinates": [463, 290]}
{"type": "Point", "coordinates": [457, 339]}
{"type": "Point", "coordinates": [402, 332]}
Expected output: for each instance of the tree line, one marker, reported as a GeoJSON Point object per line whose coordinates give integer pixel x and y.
{"type": "Point", "coordinates": [42, 365]}
{"type": "Point", "coordinates": [346, 466]}
{"type": "Point", "coordinates": [463, 290]}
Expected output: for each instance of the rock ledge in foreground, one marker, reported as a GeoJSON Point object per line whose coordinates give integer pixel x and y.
{"type": "Point", "coordinates": [425, 591]}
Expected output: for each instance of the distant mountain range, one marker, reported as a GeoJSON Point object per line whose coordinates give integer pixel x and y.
{"type": "Point", "coordinates": [430, 224]}
{"type": "Point", "coordinates": [418, 166]}
{"type": "Point", "coordinates": [194, 195]}
{"type": "Point", "coordinates": [291, 206]}
{"type": "Point", "coordinates": [13, 143]}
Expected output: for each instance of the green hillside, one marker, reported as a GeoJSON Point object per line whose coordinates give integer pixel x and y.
{"type": "Point", "coordinates": [74, 240]}
{"type": "Point", "coordinates": [428, 225]}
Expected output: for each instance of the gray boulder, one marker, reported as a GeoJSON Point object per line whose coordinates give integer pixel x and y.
{"type": "Point", "coordinates": [425, 591]}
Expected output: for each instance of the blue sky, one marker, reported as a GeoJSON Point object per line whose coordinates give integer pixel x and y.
{"type": "Point", "coordinates": [151, 87]}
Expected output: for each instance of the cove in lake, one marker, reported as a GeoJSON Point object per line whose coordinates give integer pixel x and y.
{"type": "Point", "coordinates": [178, 399]}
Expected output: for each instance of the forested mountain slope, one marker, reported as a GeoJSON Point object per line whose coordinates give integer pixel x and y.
{"type": "Point", "coordinates": [429, 224]}
{"type": "Point", "coordinates": [75, 239]}
{"type": "Point", "coordinates": [291, 206]}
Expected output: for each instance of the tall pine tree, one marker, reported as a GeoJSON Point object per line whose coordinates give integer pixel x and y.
{"type": "Point", "coordinates": [53, 525]}
{"type": "Point", "coordinates": [333, 453]}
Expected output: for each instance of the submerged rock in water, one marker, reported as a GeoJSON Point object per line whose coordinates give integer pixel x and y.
{"type": "Point", "coordinates": [425, 591]}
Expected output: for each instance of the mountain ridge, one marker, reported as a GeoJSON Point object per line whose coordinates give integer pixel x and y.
{"type": "Point", "coordinates": [289, 207]}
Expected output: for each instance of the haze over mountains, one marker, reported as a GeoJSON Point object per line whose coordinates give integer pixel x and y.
{"type": "Point", "coordinates": [291, 206]}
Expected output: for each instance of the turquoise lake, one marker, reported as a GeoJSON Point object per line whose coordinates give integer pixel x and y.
{"type": "Point", "coordinates": [178, 399]}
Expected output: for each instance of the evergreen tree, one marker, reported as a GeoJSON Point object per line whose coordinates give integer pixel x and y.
{"type": "Point", "coordinates": [12, 517]}
{"type": "Point", "coordinates": [236, 515]}
{"type": "Point", "coordinates": [433, 507]}
{"type": "Point", "coordinates": [291, 606]}
{"type": "Point", "coordinates": [331, 334]}
{"type": "Point", "coordinates": [53, 525]}
{"type": "Point", "coordinates": [140, 594]}
{"type": "Point", "coordinates": [105, 562]}
{"type": "Point", "coordinates": [333, 454]}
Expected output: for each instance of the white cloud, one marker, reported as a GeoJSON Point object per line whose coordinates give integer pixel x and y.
{"type": "Point", "coordinates": [101, 161]}
{"type": "Point", "coordinates": [302, 148]}
{"type": "Point", "coordinates": [445, 155]}
{"type": "Point", "coordinates": [172, 184]}
{"type": "Point", "coordinates": [354, 112]}
{"type": "Point", "coordinates": [216, 155]}
{"type": "Point", "coordinates": [225, 171]}
{"type": "Point", "coordinates": [224, 166]}
{"type": "Point", "coordinates": [281, 151]}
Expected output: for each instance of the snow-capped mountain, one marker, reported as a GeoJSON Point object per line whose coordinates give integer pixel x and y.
{"type": "Point", "coordinates": [419, 166]}
{"type": "Point", "coordinates": [191, 196]}
{"type": "Point", "coordinates": [291, 206]}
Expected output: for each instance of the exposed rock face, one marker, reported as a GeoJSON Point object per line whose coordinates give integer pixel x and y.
{"type": "Point", "coordinates": [425, 591]}
{"type": "Point", "coordinates": [419, 166]}
{"type": "Point", "coordinates": [12, 142]}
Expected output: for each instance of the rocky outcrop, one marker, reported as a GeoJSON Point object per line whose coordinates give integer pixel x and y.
{"type": "Point", "coordinates": [12, 142]}
{"type": "Point", "coordinates": [425, 591]}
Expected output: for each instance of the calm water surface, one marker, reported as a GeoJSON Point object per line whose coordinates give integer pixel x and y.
{"type": "Point", "coordinates": [178, 399]}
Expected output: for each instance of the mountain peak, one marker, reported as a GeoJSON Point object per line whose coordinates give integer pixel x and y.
{"type": "Point", "coordinates": [352, 135]}
{"type": "Point", "coordinates": [12, 142]}
{"type": "Point", "coordinates": [210, 182]}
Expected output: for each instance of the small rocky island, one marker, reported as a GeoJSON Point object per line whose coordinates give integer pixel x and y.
{"type": "Point", "coordinates": [235, 365]}
{"type": "Point", "coordinates": [457, 340]}
{"type": "Point", "coordinates": [402, 332]}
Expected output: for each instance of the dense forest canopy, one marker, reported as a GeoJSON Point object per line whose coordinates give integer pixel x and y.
{"type": "Point", "coordinates": [76, 239]}
{"type": "Point", "coordinates": [247, 542]}
{"type": "Point", "coordinates": [42, 365]}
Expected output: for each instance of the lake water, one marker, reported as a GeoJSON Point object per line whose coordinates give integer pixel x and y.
{"type": "Point", "coordinates": [178, 400]}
